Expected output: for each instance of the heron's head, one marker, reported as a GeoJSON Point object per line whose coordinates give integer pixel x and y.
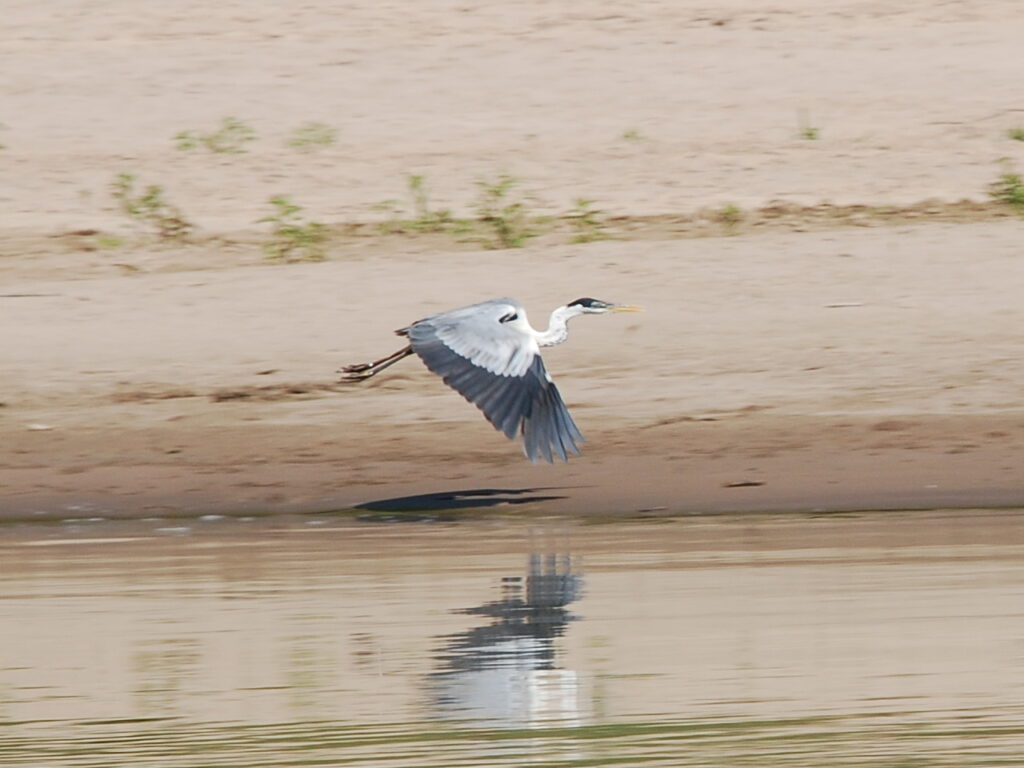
{"type": "Point", "coordinates": [588, 306]}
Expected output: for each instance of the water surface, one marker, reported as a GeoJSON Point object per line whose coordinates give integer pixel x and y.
{"type": "Point", "coordinates": [871, 639]}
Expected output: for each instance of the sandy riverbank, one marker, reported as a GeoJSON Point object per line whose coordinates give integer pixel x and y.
{"type": "Point", "coordinates": [863, 369]}
{"type": "Point", "coordinates": [869, 362]}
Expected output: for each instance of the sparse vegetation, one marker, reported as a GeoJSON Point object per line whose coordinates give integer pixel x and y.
{"type": "Point", "coordinates": [292, 237]}
{"type": "Point", "coordinates": [421, 218]}
{"type": "Point", "coordinates": [729, 216]}
{"type": "Point", "coordinates": [312, 136]}
{"type": "Point", "coordinates": [1008, 189]}
{"type": "Point", "coordinates": [106, 241]}
{"type": "Point", "coordinates": [230, 138]}
{"type": "Point", "coordinates": [426, 218]}
{"type": "Point", "coordinates": [632, 134]}
{"type": "Point", "coordinates": [586, 222]}
{"type": "Point", "coordinates": [1017, 134]}
{"type": "Point", "coordinates": [506, 221]}
{"type": "Point", "coordinates": [149, 210]}
{"type": "Point", "coordinates": [807, 131]}
{"type": "Point", "coordinates": [394, 210]}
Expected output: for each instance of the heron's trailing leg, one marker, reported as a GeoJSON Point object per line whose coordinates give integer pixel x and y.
{"type": "Point", "coordinates": [364, 371]}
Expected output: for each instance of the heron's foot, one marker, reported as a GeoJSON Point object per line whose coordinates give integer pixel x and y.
{"type": "Point", "coordinates": [357, 372]}
{"type": "Point", "coordinates": [363, 371]}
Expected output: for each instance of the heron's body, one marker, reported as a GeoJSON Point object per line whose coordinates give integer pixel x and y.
{"type": "Point", "coordinates": [489, 353]}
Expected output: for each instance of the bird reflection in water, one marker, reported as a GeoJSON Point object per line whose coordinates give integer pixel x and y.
{"type": "Point", "coordinates": [508, 670]}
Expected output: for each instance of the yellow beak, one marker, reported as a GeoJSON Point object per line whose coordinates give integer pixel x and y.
{"type": "Point", "coordinates": [626, 308]}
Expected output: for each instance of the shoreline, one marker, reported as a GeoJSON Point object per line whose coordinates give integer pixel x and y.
{"type": "Point", "coordinates": [789, 464]}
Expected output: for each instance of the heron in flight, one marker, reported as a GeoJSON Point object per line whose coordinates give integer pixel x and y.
{"type": "Point", "coordinates": [490, 355]}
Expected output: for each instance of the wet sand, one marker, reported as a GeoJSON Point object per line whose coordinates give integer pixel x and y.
{"type": "Point", "coordinates": [798, 358]}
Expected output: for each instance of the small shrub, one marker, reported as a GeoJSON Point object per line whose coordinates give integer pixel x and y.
{"type": "Point", "coordinates": [230, 138]}
{"type": "Point", "coordinates": [729, 216]}
{"type": "Point", "coordinates": [421, 218]}
{"type": "Point", "coordinates": [311, 136]}
{"type": "Point", "coordinates": [426, 218]}
{"type": "Point", "coordinates": [1017, 134]}
{"type": "Point", "coordinates": [292, 238]}
{"type": "Point", "coordinates": [1008, 189]}
{"type": "Point", "coordinates": [149, 210]}
{"type": "Point", "coordinates": [507, 221]}
{"type": "Point", "coordinates": [586, 222]}
{"type": "Point", "coordinates": [632, 134]}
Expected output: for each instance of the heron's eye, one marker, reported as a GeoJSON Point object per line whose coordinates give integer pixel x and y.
{"type": "Point", "coordinates": [508, 318]}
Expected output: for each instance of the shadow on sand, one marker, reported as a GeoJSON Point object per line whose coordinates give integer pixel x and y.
{"type": "Point", "coordinates": [464, 499]}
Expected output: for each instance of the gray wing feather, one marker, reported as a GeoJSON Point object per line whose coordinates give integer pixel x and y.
{"type": "Point", "coordinates": [477, 334]}
{"type": "Point", "coordinates": [527, 403]}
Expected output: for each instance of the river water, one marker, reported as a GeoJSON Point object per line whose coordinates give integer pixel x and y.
{"type": "Point", "coordinates": [881, 639]}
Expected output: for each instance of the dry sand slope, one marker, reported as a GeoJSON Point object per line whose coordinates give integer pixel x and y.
{"type": "Point", "coordinates": [809, 360]}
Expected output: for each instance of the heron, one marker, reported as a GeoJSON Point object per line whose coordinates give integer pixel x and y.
{"type": "Point", "coordinates": [490, 354]}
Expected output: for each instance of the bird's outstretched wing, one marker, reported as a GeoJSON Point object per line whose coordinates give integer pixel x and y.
{"type": "Point", "coordinates": [498, 368]}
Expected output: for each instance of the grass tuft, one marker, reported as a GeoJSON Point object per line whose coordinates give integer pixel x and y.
{"type": "Point", "coordinates": [805, 130]}
{"type": "Point", "coordinates": [420, 217]}
{"type": "Point", "coordinates": [1008, 189]}
{"type": "Point", "coordinates": [506, 221]}
{"type": "Point", "coordinates": [293, 238]}
{"type": "Point", "coordinates": [729, 216]}
{"type": "Point", "coordinates": [311, 136]}
{"type": "Point", "coordinates": [587, 223]}
{"type": "Point", "coordinates": [230, 138]}
{"type": "Point", "coordinates": [149, 209]}
{"type": "Point", "coordinates": [632, 134]}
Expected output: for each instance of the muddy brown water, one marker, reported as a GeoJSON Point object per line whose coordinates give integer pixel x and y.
{"type": "Point", "coordinates": [883, 639]}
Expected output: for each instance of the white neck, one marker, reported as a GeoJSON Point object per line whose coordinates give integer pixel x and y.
{"type": "Point", "coordinates": [558, 326]}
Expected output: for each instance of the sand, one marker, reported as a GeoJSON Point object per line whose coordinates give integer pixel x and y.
{"type": "Point", "coordinates": [847, 337]}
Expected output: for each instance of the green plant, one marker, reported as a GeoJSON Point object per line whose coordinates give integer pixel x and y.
{"type": "Point", "coordinates": [230, 138]}
{"type": "Point", "coordinates": [632, 134]}
{"type": "Point", "coordinates": [1009, 189]}
{"type": "Point", "coordinates": [312, 135]}
{"type": "Point", "coordinates": [107, 241]}
{"type": "Point", "coordinates": [1017, 134]}
{"type": "Point", "coordinates": [293, 238]}
{"type": "Point", "coordinates": [507, 221]}
{"type": "Point", "coordinates": [807, 131]}
{"type": "Point", "coordinates": [586, 222]}
{"type": "Point", "coordinates": [395, 222]}
{"type": "Point", "coordinates": [149, 209]}
{"type": "Point", "coordinates": [423, 217]}
{"type": "Point", "coordinates": [729, 216]}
